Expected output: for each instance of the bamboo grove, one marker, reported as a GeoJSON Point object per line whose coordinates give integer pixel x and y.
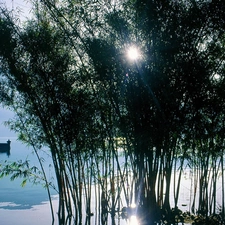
{"type": "Point", "coordinates": [121, 132]}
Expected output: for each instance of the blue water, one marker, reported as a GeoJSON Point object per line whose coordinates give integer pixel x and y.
{"type": "Point", "coordinates": [23, 205]}
{"type": "Point", "coordinates": [29, 205]}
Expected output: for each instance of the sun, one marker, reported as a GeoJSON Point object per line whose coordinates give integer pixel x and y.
{"type": "Point", "coordinates": [133, 53]}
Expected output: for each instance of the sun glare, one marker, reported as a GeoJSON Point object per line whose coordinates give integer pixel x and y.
{"type": "Point", "coordinates": [133, 220]}
{"type": "Point", "coordinates": [133, 53]}
{"type": "Point", "coordinates": [217, 76]}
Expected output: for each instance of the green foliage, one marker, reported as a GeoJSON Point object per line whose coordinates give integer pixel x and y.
{"type": "Point", "coordinates": [25, 172]}
{"type": "Point", "coordinates": [66, 76]}
{"type": "Point", "coordinates": [18, 169]}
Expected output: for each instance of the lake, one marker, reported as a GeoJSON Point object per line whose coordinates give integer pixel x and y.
{"type": "Point", "coordinates": [23, 205]}
{"type": "Point", "coordinates": [29, 205]}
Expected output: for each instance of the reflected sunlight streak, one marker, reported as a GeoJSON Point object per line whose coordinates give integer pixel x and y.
{"type": "Point", "coordinates": [133, 220]}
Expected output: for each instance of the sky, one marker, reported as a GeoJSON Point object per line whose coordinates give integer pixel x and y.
{"type": "Point", "coordinates": [24, 6]}
{"type": "Point", "coordinates": [5, 131]}
{"type": "Point", "coordinates": [13, 4]}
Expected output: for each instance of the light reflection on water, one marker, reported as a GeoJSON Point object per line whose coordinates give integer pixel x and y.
{"type": "Point", "coordinates": [23, 205]}
{"type": "Point", "coordinates": [133, 220]}
{"type": "Point", "coordinates": [29, 205]}
{"type": "Point", "coordinates": [38, 214]}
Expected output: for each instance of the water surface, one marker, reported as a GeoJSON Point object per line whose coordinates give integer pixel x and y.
{"type": "Point", "coordinates": [23, 205]}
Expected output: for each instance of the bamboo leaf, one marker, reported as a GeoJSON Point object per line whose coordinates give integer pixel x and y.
{"type": "Point", "coordinates": [24, 182]}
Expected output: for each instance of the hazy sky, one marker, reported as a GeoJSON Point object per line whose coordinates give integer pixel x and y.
{"type": "Point", "coordinates": [5, 115]}
{"type": "Point", "coordinates": [22, 5]}
{"type": "Point", "coordinates": [5, 131]}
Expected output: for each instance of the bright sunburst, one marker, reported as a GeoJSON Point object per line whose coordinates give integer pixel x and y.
{"type": "Point", "coordinates": [133, 53]}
